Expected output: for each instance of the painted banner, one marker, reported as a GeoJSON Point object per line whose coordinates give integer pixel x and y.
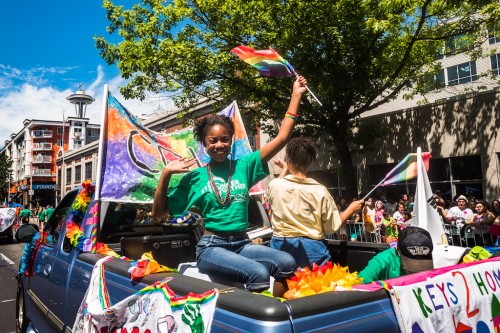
{"type": "Point", "coordinates": [461, 298]}
{"type": "Point", "coordinates": [7, 218]}
{"type": "Point", "coordinates": [154, 308]}
{"type": "Point", "coordinates": [132, 156]}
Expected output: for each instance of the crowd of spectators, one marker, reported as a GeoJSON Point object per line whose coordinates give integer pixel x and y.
{"type": "Point", "coordinates": [467, 220]}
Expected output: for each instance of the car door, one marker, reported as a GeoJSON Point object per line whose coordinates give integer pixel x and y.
{"type": "Point", "coordinates": [47, 274]}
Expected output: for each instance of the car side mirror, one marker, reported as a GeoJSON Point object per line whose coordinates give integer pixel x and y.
{"type": "Point", "coordinates": [25, 233]}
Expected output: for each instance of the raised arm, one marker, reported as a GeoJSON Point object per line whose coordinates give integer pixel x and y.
{"type": "Point", "coordinates": [160, 206]}
{"type": "Point", "coordinates": [351, 209]}
{"type": "Point", "coordinates": [268, 151]}
{"type": "Point", "coordinates": [284, 167]}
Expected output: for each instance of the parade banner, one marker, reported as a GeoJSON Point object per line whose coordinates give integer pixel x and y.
{"type": "Point", "coordinates": [132, 156]}
{"type": "Point", "coordinates": [461, 298]}
{"type": "Point", "coordinates": [7, 218]}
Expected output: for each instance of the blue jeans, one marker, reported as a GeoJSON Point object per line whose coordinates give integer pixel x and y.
{"type": "Point", "coordinates": [237, 259]}
{"type": "Point", "coordinates": [306, 251]}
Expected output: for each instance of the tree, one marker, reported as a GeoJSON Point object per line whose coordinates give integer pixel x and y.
{"type": "Point", "coordinates": [356, 55]}
{"type": "Point", "coordinates": [5, 174]}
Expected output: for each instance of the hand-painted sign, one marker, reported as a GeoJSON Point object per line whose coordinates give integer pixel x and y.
{"type": "Point", "coordinates": [463, 298]}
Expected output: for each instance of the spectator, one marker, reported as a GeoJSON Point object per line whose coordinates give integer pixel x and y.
{"type": "Point", "coordinates": [412, 255]}
{"type": "Point", "coordinates": [481, 222]}
{"type": "Point", "coordinates": [368, 215]}
{"type": "Point", "coordinates": [391, 205]}
{"type": "Point", "coordinates": [40, 216]}
{"type": "Point", "coordinates": [495, 207]}
{"type": "Point", "coordinates": [472, 204]}
{"type": "Point", "coordinates": [391, 228]}
{"type": "Point", "coordinates": [400, 215]}
{"type": "Point", "coordinates": [459, 214]}
{"type": "Point", "coordinates": [25, 214]}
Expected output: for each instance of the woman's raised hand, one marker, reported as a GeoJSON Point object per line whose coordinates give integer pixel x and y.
{"type": "Point", "coordinates": [182, 165]}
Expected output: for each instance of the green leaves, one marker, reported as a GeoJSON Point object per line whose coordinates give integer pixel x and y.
{"type": "Point", "coordinates": [5, 173]}
{"type": "Point", "coordinates": [356, 54]}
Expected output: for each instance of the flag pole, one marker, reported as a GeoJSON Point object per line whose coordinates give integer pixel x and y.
{"type": "Point", "coordinates": [316, 98]}
{"type": "Point", "coordinates": [373, 189]}
{"type": "Point", "coordinates": [309, 90]}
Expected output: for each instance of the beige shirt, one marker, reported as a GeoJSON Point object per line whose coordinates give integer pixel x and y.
{"type": "Point", "coordinates": [302, 207]}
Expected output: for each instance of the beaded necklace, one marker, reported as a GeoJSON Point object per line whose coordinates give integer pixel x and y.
{"type": "Point", "coordinates": [226, 200]}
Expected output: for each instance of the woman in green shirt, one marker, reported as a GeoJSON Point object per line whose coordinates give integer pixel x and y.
{"type": "Point", "coordinates": [220, 191]}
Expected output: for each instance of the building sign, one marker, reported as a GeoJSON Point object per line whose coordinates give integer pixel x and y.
{"type": "Point", "coordinates": [42, 186]}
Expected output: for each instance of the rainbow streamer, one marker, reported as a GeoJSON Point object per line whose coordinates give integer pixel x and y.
{"type": "Point", "coordinates": [103, 294]}
{"type": "Point", "coordinates": [134, 156]}
{"type": "Point", "coordinates": [406, 169]}
{"type": "Point", "coordinates": [267, 62]}
{"type": "Point", "coordinates": [384, 285]}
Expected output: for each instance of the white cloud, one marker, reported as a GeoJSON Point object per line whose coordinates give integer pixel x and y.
{"type": "Point", "coordinates": [33, 98]}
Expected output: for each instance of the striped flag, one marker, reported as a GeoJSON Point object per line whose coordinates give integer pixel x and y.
{"type": "Point", "coordinates": [406, 169]}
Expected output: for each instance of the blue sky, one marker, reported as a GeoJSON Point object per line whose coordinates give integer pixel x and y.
{"type": "Point", "coordinates": [47, 51]}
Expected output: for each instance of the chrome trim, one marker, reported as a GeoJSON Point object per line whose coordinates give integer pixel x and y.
{"type": "Point", "coordinates": [53, 319]}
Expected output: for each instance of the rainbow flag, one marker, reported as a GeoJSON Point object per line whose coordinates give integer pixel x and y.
{"type": "Point", "coordinates": [132, 156]}
{"type": "Point", "coordinates": [267, 62]}
{"type": "Point", "coordinates": [406, 169]}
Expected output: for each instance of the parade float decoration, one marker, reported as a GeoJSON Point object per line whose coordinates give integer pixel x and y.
{"type": "Point", "coordinates": [320, 279]}
{"type": "Point", "coordinates": [154, 308]}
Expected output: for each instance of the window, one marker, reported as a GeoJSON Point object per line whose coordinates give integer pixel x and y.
{"type": "Point", "coordinates": [438, 81]}
{"type": "Point", "coordinates": [59, 142]}
{"type": "Point", "coordinates": [251, 140]}
{"type": "Point", "coordinates": [59, 130]}
{"type": "Point", "coordinates": [462, 73]}
{"type": "Point", "coordinates": [457, 44]}
{"type": "Point", "coordinates": [452, 176]}
{"type": "Point", "coordinates": [495, 63]}
{"type": "Point", "coordinates": [68, 176]}
{"type": "Point", "coordinates": [91, 133]}
{"type": "Point", "coordinates": [78, 173]}
{"type": "Point", "coordinates": [492, 37]}
{"type": "Point", "coordinates": [88, 170]}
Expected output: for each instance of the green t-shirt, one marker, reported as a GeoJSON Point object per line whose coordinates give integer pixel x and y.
{"type": "Point", "coordinates": [48, 213]}
{"type": "Point", "coordinates": [194, 190]}
{"type": "Point", "coordinates": [385, 265]}
{"type": "Point", "coordinates": [25, 213]}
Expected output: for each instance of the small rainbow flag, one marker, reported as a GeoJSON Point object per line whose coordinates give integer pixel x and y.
{"type": "Point", "coordinates": [406, 169]}
{"type": "Point", "coordinates": [267, 62]}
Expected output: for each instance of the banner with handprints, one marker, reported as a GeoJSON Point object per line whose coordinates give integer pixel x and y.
{"type": "Point", "coordinates": [154, 308]}
{"type": "Point", "coordinates": [7, 218]}
{"type": "Point", "coordinates": [133, 156]}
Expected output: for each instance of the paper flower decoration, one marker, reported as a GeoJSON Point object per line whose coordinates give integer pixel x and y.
{"type": "Point", "coordinates": [320, 279]}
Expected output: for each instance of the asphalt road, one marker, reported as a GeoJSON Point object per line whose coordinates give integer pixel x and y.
{"type": "Point", "coordinates": [10, 255]}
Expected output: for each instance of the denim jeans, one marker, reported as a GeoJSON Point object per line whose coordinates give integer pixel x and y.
{"type": "Point", "coordinates": [237, 259]}
{"type": "Point", "coordinates": [306, 251]}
